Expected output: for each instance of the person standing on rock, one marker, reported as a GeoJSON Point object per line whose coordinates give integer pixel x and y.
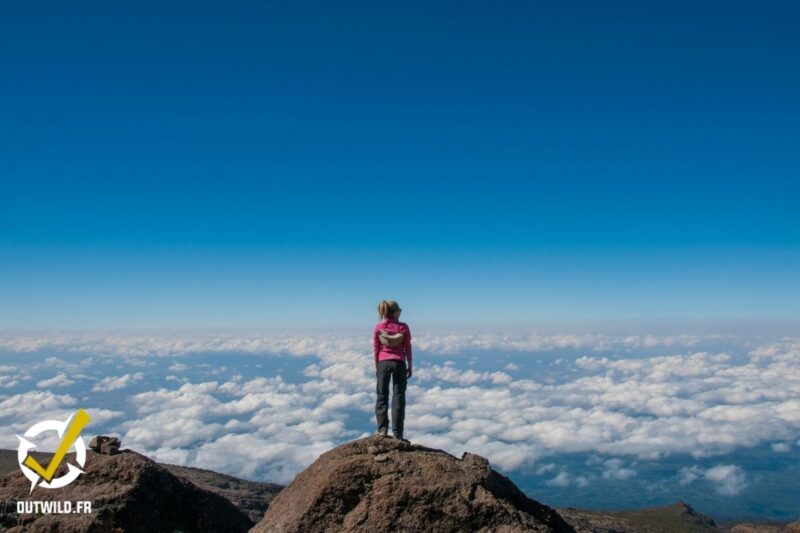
{"type": "Point", "coordinates": [391, 343]}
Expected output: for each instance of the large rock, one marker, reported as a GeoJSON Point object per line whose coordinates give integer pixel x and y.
{"type": "Point", "coordinates": [130, 493]}
{"type": "Point", "coordinates": [385, 484]}
{"type": "Point", "coordinates": [251, 497]}
{"type": "Point", "coordinates": [105, 444]}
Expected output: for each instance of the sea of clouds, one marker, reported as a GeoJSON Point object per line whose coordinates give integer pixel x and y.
{"type": "Point", "coordinates": [265, 405]}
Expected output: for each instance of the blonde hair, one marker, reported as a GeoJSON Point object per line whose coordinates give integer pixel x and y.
{"type": "Point", "coordinates": [388, 308]}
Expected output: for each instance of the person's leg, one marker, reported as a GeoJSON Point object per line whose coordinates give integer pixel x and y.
{"type": "Point", "coordinates": [382, 374]}
{"type": "Point", "coordinates": [398, 397]}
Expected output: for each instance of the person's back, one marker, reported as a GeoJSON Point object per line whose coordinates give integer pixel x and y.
{"type": "Point", "coordinates": [400, 351]}
{"type": "Point", "coordinates": [391, 342]}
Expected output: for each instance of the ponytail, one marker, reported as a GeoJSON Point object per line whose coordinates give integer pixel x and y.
{"type": "Point", "coordinates": [388, 309]}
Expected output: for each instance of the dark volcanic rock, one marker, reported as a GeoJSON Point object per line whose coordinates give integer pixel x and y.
{"type": "Point", "coordinates": [756, 528]}
{"type": "Point", "coordinates": [130, 493]}
{"type": "Point", "coordinates": [793, 527]}
{"type": "Point", "coordinates": [675, 518]}
{"type": "Point", "coordinates": [252, 497]}
{"type": "Point", "coordinates": [104, 444]}
{"type": "Point", "coordinates": [384, 484]}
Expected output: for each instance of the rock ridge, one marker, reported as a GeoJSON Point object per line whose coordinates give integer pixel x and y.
{"type": "Point", "coordinates": [384, 484]}
{"type": "Point", "coordinates": [129, 492]}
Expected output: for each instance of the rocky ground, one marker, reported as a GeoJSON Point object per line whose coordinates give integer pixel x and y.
{"type": "Point", "coordinates": [385, 484]}
{"type": "Point", "coordinates": [129, 493]}
{"type": "Point", "coordinates": [793, 527]}
{"type": "Point", "coordinates": [676, 518]}
{"type": "Point", "coordinates": [250, 496]}
{"type": "Point", "coordinates": [374, 483]}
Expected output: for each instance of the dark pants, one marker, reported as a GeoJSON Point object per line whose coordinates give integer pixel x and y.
{"type": "Point", "coordinates": [396, 371]}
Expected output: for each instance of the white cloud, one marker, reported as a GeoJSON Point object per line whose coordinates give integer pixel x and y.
{"type": "Point", "coordinates": [286, 343]}
{"type": "Point", "coordinates": [462, 377]}
{"type": "Point", "coordinates": [20, 411]}
{"type": "Point", "coordinates": [616, 469]}
{"type": "Point", "coordinates": [781, 447]}
{"type": "Point", "coordinates": [631, 407]}
{"type": "Point", "coordinates": [689, 474]}
{"type": "Point", "coordinates": [59, 380]}
{"type": "Point", "coordinates": [729, 480]}
{"type": "Point", "coordinates": [527, 342]}
{"type": "Point", "coordinates": [262, 428]}
{"type": "Point", "coordinates": [581, 481]}
{"type": "Point", "coordinates": [7, 382]}
{"type": "Point", "coordinates": [111, 383]}
{"type": "Point", "coordinates": [563, 479]}
{"type": "Point", "coordinates": [33, 404]}
{"type": "Point", "coordinates": [545, 468]}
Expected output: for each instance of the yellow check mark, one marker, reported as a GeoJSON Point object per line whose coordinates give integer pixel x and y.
{"type": "Point", "coordinates": [79, 421]}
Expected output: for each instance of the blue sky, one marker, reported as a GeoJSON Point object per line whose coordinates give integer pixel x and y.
{"type": "Point", "coordinates": [603, 194]}
{"type": "Point", "coordinates": [197, 164]}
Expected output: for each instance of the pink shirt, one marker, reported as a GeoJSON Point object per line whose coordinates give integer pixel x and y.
{"type": "Point", "coordinates": [397, 353]}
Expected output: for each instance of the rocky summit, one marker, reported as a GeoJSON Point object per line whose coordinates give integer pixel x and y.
{"type": "Point", "coordinates": [129, 492]}
{"type": "Point", "coordinates": [384, 484]}
{"type": "Point", "coordinates": [371, 484]}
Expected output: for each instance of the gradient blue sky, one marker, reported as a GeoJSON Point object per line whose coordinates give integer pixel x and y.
{"type": "Point", "coordinates": [261, 164]}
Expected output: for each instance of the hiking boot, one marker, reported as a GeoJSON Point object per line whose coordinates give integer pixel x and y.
{"type": "Point", "coordinates": [382, 433]}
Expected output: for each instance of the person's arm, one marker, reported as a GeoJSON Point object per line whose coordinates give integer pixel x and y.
{"type": "Point", "coordinates": [407, 349]}
{"type": "Point", "coordinates": [376, 345]}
